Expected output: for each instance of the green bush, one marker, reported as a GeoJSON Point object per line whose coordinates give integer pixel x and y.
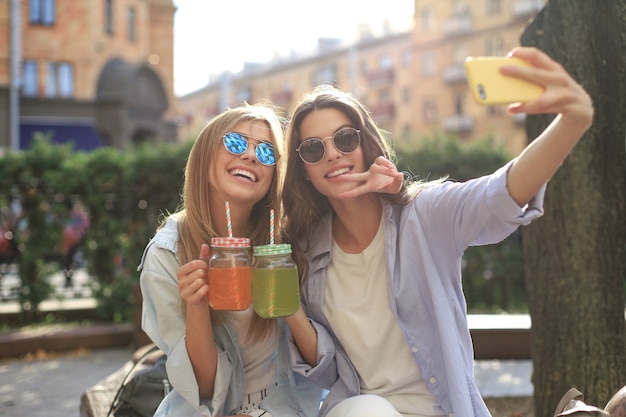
{"type": "Point", "coordinates": [493, 275]}
{"type": "Point", "coordinates": [124, 194]}
{"type": "Point", "coordinates": [35, 178]}
{"type": "Point", "coordinates": [127, 193]}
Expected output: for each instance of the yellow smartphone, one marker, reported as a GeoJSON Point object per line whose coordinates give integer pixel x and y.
{"type": "Point", "coordinates": [489, 86]}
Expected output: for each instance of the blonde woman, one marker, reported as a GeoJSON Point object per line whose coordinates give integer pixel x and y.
{"type": "Point", "coordinates": [222, 363]}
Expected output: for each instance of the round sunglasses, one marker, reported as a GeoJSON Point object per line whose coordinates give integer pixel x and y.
{"type": "Point", "coordinates": [346, 140]}
{"type": "Point", "coordinates": [237, 144]}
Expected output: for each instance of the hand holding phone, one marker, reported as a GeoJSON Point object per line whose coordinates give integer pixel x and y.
{"type": "Point", "coordinates": [489, 86]}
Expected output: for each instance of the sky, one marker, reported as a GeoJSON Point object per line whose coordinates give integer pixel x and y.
{"type": "Point", "coordinates": [212, 36]}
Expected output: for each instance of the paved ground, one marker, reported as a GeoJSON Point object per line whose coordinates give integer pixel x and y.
{"type": "Point", "coordinates": [504, 378]}
{"type": "Point", "coordinates": [52, 387]}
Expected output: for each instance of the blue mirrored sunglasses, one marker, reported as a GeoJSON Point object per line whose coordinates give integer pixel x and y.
{"type": "Point", "coordinates": [237, 144]}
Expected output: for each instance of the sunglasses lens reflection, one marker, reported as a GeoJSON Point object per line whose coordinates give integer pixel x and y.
{"type": "Point", "coordinates": [265, 154]}
{"type": "Point", "coordinates": [235, 143]}
{"type": "Point", "coordinates": [312, 150]}
{"type": "Point", "coordinates": [345, 141]}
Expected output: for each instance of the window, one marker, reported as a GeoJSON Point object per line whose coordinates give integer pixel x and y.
{"type": "Point", "coordinates": [459, 53]}
{"type": "Point", "coordinates": [244, 94]}
{"type": "Point", "coordinates": [406, 94]}
{"type": "Point", "coordinates": [41, 12]}
{"type": "Point", "coordinates": [59, 79]}
{"type": "Point", "coordinates": [363, 67]}
{"type": "Point", "coordinates": [458, 105]}
{"type": "Point", "coordinates": [495, 110]}
{"type": "Point", "coordinates": [108, 16]}
{"type": "Point", "coordinates": [51, 79]}
{"type": "Point", "coordinates": [494, 7]}
{"type": "Point", "coordinates": [460, 8]}
{"type": "Point", "coordinates": [132, 35]}
{"type": "Point", "coordinates": [429, 111]}
{"type": "Point", "coordinates": [494, 46]}
{"type": "Point", "coordinates": [65, 79]}
{"type": "Point", "coordinates": [326, 74]}
{"type": "Point", "coordinates": [428, 20]}
{"type": "Point", "coordinates": [385, 62]}
{"type": "Point", "coordinates": [406, 57]}
{"type": "Point", "coordinates": [406, 131]}
{"type": "Point", "coordinates": [384, 96]}
{"type": "Point", "coordinates": [429, 65]}
{"type": "Point", "coordinates": [29, 82]}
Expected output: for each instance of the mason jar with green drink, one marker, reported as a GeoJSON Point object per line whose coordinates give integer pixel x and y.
{"type": "Point", "coordinates": [275, 287]}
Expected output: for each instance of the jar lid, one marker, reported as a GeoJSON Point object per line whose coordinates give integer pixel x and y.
{"type": "Point", "coordinates": [230, 242]}
{"type": "Point", "coordinates": [280, 249]}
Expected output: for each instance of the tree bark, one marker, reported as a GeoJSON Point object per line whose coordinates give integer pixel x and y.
{"type": "Point", "coordinates": [574, 255]}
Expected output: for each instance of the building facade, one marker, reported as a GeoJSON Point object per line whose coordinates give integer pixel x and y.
{"type": "Point", "coordinates": [100, 73]}
{"type": "Point", "coordinates": [412, 81]}
{"type": "Point", "coordinates": [444, 34]}
{"type": "Point", "coordinates": [375, 69]}
{"type": "Point", "coordinates": [92, 72]}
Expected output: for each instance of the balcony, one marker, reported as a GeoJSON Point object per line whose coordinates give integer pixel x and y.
{"type": "Point", "coordinates": [380, 77]}
{"type": "Point", "coordinates": [527, 8]}
{"type": "Point", "coordinates": [454, 74]}
{"type": "Point", "coordinates": [458, 123]}
{"type": "Point", "coordinates": [383, 112]}
{"type": "Point", "coordinates": [282, 98]}
{"type": "Point", "coordinates": [457, 25]}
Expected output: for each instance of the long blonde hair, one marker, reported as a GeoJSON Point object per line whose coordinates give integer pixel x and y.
{"type": "Point", "coordinates": [195, 223]}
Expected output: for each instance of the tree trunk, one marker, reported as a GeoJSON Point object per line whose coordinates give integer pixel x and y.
{"type": "Point", "coordinates": [574, 255]}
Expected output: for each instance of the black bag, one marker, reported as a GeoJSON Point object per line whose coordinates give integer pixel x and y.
{"type": "Point", "coordinates": [141, 392]}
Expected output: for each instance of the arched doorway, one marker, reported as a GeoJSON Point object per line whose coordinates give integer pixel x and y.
{"type": "Point", "coordinates": [131, 101]}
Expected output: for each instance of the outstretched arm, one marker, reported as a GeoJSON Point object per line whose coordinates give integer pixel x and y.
{"type": "Point", "coordinates": [564, 97]}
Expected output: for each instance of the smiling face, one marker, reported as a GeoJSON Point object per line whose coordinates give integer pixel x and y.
{"type": "Point", "coordinates": [324, 123]}
{"type": "Point", "coordinates": [242, 179]}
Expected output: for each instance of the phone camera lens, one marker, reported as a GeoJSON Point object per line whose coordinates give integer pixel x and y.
{"type": "Point", "coordinates": [481, 92]}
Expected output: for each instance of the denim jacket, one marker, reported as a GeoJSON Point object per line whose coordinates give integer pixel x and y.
{"type": "Point", "coordinates": [164, 322]}
{"type": "Point", "coordinates": [424, 244]}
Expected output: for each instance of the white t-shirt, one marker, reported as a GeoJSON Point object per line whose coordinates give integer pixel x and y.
{"type": "Point", "coordinates": [357, 307]}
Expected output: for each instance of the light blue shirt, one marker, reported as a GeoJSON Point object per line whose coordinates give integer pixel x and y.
{"type": "Point", "coordinates": [164, 322]}
{"type": "Point", "coordinates": [424, 243]}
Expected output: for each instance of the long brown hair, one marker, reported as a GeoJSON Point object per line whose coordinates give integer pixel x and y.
{"type": "Point", "coordinates": [304, 206]}
{"type": "Point", "coordinates": [195, 224]}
